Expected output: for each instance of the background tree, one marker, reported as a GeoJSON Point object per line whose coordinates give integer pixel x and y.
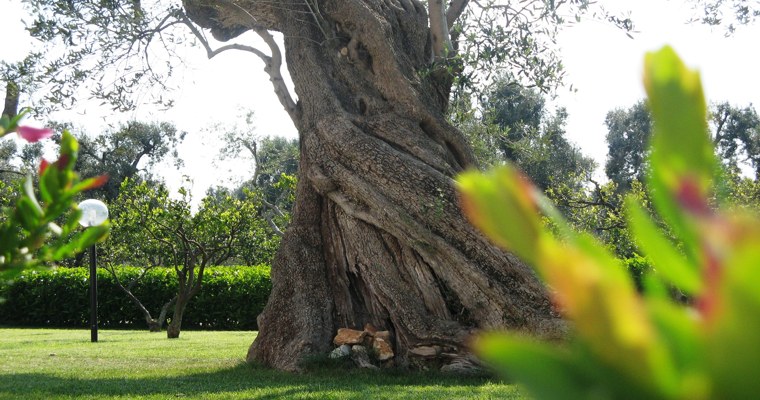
{"type": "Point", "coordinates": [275, 166]}
{"type": "Point", "coordinates": [152, 229]}
{"type": "Point", "coordinates": [129, 152]}
{"type": "Point", "coordinates": [517, 126]}
{"type": "Point", "coordinates": [735, 133]}
{"type": "Point", "coordinates": [259, 241]}
{"type": "Point", "coordinates": [17, 161]}
{"type": "Point", "coordinates": [628, 132]}
{"type": "Point", "coordinates": [376, 234]}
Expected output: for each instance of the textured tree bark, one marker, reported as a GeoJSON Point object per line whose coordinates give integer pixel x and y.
{"type": "Point", "coordinates": [377, 235]}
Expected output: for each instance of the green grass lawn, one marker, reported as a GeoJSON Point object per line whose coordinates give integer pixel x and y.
{"type": "Point", "coordinates": [63, 364]}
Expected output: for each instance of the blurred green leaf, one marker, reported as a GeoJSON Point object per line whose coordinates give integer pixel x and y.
{"type": "Point", "coordinates": [668, 262]}
{"type": "Point", "coordinates": [82, 241]}
{"type": "Point", "coordinates": [682, 159]}
{"type": "Point", "coordinates": [531, 362]}
{"type": "Point", "coordinates": [659, 344]}
{"type": "Point", "coordinates": [733, 346]}
{"type": "Point", "coordinates": [503, 195]}
{"type": "Point", "coordinates": [91, 183]}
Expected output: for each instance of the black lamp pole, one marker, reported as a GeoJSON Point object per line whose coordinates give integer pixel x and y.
{"type": "Point", "coordinates": [94, 212]}
{"type": "Point", "coordinates": [93, 296]}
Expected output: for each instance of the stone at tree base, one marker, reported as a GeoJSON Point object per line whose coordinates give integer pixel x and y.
{"type": "Point", "coordinates": [336, 353]}
{"type": "Point", "coordinates": [382, 349]}
{"type": "Point", "coordinates": [361, 358]}
{"type": "Point", "coordinates": [341, 351]}
{"type": "Point", "coordinates": [425, 351]}
{"type": "Point", "coordinates": [349, 336]}
{"type": "Point", "coordinates": [385, 335]}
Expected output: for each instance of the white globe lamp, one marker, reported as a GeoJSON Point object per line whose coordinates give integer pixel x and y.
{"type": "Point", "coordinates": [94, 212]}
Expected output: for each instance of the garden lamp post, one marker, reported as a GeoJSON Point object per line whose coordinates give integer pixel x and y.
{"type": "Point", "coordinates": [94, 212]}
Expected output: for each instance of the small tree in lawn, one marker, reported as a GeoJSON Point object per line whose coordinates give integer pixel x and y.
{"type": "Point", "coordinates": [154, 229]}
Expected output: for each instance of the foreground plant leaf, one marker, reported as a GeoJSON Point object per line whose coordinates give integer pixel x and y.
{"type": "Point", "coordinates": [682, 158]}
{"type": "Point", "coordinates": [40, 231]}
{"type": "Point", "coordinates": [589, 284]}
{"type": "Point", "coordinates": [530, 362]}
{"type": "Point", "coordinates": [627, 344]}
{"type": "Point", "coordinates": [503, 195]}
{"type": "Point", "coordinates": [667, 261]}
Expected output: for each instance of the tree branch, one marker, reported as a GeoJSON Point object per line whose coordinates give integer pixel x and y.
{"type": "Point", "coordinates": [456, 8]}
{"type": "Point", "coordinates": [273, 68]}
{"type": "Point", "coordinates": [439, 30]}
{"type": "Point", "coordinates": [272, 64]}
{"type": "Point", "coordinates": [253, 148]}
{"type": "Point", "coordinates": [211, 53]}
{"type": "Point", "coordinates": [268, 217]}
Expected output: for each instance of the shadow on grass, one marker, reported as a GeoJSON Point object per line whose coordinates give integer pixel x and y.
{"type": "Point", "coordinates": [246, 381]}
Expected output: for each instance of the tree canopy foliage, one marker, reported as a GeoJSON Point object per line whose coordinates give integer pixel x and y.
{"type": "Point", "coordinates": [129, 152]}
{"type": "Point", "coordinates": [735, 132]}
{"type": "Point", "coordinates": [628, 132]}
{"type": "Point", "coordinates": [516, 125]}
{"type": "Point", "coordinates": [122, 53]}
{"type": "Point", "coordinates": [728, 13]}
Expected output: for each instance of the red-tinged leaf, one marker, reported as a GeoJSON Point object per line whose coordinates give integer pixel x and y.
{"type": "Point", "coordinates": [63, 162]}
{"type": "Point", "coordinates": [733, 347]}
{"type": "Point", "coordinates": [691, 198]}
{"type": "Point", "coordinates": [682, 158]}
{"type": "Point", "coordinates": [91, 183]}
{"type": "Point", "coordinates": [44, 164]}
{"type": "Point", "coordinates": [708, 301]}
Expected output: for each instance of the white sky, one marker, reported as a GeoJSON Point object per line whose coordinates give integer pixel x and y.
{"type": "Point", "coordinates": [602, 64]}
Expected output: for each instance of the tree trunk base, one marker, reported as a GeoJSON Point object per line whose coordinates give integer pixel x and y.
{"type": "Point", "coordinates": [154, 326]}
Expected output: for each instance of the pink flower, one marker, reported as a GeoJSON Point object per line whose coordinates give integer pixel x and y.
{"type": "Point", "coordinates": [32, 135]}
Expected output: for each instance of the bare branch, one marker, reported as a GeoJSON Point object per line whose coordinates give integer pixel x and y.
{"type": "Point", "coordinates": [268, 217]}
{"type": "Point", "coordinates": [274, 68]}
{"type": "Point", "coordinates": [272, 64]}
{"type": "Point", "coordinates": [211, 53]}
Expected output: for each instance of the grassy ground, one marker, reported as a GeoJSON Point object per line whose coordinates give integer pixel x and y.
{"type": "Point", "coordinates": [63, 364]}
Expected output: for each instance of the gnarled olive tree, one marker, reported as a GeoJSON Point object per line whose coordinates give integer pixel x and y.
{"type": "Point", "coordinates": [376, 234]}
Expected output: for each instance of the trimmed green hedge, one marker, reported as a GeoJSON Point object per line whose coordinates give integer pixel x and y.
{"type": "Point", "coordinates": [231, 298]}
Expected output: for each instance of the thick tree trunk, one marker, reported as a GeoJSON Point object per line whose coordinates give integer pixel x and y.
{"type": "Point", "coordinates": [377, 235]}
